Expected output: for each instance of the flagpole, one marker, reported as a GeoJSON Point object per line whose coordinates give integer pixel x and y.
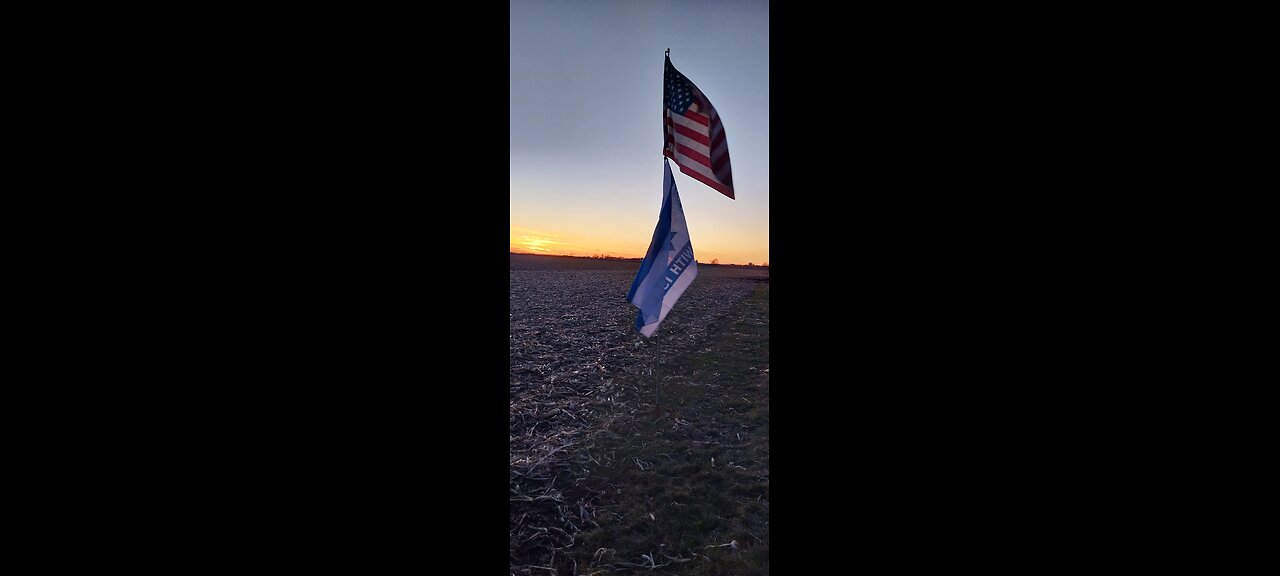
{"type": "Point", "coordinates": [657, 360]}
{"type": "Point", "coordinates": [657, 407]}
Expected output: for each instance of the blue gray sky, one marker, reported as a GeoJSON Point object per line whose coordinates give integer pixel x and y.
{"type": "Point", "coordinates": [586, 123]}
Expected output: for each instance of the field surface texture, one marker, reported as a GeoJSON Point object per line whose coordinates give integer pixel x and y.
{"type": "Point", "coordinates": [631, 455]}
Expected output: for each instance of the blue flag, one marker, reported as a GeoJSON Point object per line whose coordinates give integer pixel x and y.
{"type": "Point", "coordinates": [668, 267]}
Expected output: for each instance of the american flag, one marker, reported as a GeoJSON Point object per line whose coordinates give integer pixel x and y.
{"type": "Point", "coordinates": [694, 136]}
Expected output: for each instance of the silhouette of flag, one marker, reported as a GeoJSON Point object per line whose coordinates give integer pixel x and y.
{"type": "Point", "coordinates": [694, 136]}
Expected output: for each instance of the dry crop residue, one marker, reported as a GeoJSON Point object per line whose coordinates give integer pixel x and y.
{"type": "Point", "coordinates": [581, 384]}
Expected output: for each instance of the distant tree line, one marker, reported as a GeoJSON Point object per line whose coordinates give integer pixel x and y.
{"type": "Point", "coordinates": [752, 264]}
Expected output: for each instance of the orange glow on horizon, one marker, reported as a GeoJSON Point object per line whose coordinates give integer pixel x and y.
{"type": "Point", "coordinates": [526, 241]}
{"type": "Point", "coordinates": [529, 241]}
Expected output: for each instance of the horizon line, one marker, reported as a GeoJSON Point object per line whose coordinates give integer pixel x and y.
{"type": "Point", "coordinates": [603, 256]}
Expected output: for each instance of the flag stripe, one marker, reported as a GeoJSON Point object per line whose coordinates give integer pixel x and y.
{"type": "Point", "coordinates": [721, 147]}
{"type": "Point", "coordinates": [687, 165]}
{"type": "Point", "coordinates": [687, 123]}
{"type": "Point", "coordinates": [708, 180]}
{"type": "Point", "coordinates": [695, 146]}
{"type": "Point", "coordinates": [719, 155]}
{"type": "Point", "coordinates": [691, 161]}
{"type": "Point", "coordinates": [723, 175]}
{"type": "Point", "coordinates": [717, 139]}
{"type": "Point", "coordinates": [697, 172]}
{"type": "Point", "coordinates": [721, 188]}
{"type": "Point", "coordinates": [697, 117]}
{"type": "Point", "coordinates": [699, 137]}
{"type": "Point", "coordinates": [717, 130]}
{"type": "Point", "coordinates": [693, 155]}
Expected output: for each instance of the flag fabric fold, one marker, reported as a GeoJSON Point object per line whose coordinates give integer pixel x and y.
{"type": "Point", "coordinates": [694, 137]}
{"type": "Point", "coordinates": [668, 267]}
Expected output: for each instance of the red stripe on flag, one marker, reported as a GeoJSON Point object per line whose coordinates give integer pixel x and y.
{"type": "Point", "coordinates": [718, 139]}
{"type": "Point", "coordinates": [693, 135]}
{"type": "Point", "coordinates": [696, 117]}
{"type": "Point", "coordinates": [720, 163]}
{"type": "Point", "coordinates": [718, 187]}
{"type": "Point", "coordinates": [721, 188]}
{"type": "Point", "coordinates": [668, 135]}
{"type": "Point", "coordinates": [694, 155]}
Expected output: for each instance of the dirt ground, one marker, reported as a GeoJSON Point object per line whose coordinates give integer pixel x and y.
{"type": "Point", "coordinates": [602, 480]}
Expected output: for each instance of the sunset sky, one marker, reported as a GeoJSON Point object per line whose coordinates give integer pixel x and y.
{"type": "Point", "coordinates": [586, 124]}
